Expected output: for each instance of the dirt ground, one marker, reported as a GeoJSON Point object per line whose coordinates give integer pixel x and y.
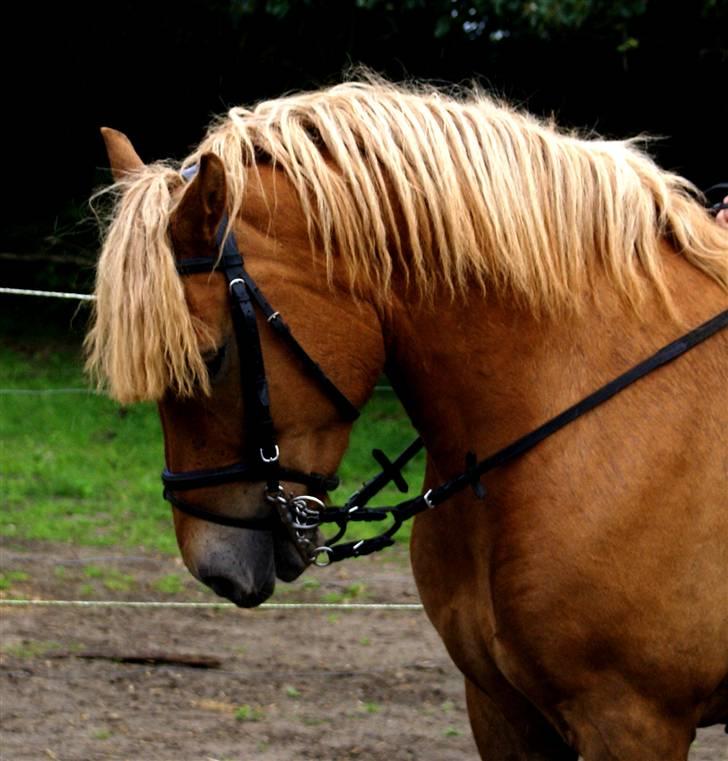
{"type": "Point", "coordinates": [304, 684]}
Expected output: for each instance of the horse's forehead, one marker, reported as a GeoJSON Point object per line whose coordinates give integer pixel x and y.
{"type": "Point", "coordinates": [269, 198]}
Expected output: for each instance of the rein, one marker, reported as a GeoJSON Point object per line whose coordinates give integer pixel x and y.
{"type": "Point", "coordinates": [474, 469]}
{"type": "Point", "coordinates": [720, 205]}
{"type": "Point", "coordinates": [301, 516]}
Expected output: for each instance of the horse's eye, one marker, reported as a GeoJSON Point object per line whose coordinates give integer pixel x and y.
{"type": "Point", "coordinates": [213, 362]}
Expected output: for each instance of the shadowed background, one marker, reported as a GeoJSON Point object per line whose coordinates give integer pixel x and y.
{"type": "Point", "coordinates": [160, 70]}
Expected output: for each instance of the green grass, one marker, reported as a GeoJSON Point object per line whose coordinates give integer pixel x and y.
{"type": "Point", "coordinates": [369, 706]}
{"type": "Point", "coordinates": [171, 584]}
{"type": "Point", "coordinates": [79, 468]}
{"type": "Point", "coordinates": [8, 579]}
{"type": "Point", "coordinates": [32, 648]}
{"type": "Point", "coordinates": [247, 712]}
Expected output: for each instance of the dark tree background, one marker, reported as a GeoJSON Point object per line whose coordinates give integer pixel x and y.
{"type": "Point", "coordinates": [160, 70]}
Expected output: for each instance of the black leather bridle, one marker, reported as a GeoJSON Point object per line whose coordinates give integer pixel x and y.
{"type": "Point", "coordinates": [263, 464]}
{"type": "Point", "coordinates": [302, 515]}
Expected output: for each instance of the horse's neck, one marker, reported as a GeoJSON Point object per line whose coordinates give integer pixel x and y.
{"type": "Point", "coordinates": [476, 373]}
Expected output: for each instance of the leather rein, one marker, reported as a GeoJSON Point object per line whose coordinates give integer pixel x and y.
{"type": "Point", "coordinates": [302, 515]}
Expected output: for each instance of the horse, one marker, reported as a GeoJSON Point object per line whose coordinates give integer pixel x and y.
{"type": "Point", "coordinates": [498, 268]}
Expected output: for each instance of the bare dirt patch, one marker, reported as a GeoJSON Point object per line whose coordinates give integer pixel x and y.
{"type": "Point", "coordinates": [373, 685]}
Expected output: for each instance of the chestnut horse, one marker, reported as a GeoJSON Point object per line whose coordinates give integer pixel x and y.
{"type": "Point", "coordinates": [499, 270]}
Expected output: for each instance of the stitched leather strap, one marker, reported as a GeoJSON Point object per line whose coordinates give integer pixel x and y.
{"type": "Point", "coordinates": [436, 496]}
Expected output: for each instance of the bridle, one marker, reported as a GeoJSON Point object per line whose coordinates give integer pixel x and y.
{"type": "Point", "coordinates": [302, 515]}
{"type": "Point", "coordinates": [298, 514]}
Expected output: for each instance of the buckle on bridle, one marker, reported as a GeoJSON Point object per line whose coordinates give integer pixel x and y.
{"type": "Point", "coordinates": [274, 458]}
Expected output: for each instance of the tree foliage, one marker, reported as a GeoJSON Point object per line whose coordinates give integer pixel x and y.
{"type": "Point", "coordinates": [471, 19]}
{"type": "Point", "coordinates": [160, 70]}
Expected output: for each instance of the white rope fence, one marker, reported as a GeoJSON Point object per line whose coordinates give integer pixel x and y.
{"type": "Point", "coordinates": [47, 294]}
{"type": "Point", "coordinates": [210, 605]}
{"type": "Point", "coordinates": [34, 391]}
{"type": "Point", "coordinates": [83, 390]}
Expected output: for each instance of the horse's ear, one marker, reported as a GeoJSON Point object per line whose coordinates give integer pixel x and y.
{"type": "Point", "coordinates": [123, 159]}
{"type": "Point", "coordinates": [202, 207]}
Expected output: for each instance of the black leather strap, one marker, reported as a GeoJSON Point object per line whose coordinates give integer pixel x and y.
{"type": "Point", "coordinates": [722, 188]}
{"type": "Point", "coordinates": [259, 524]}
{"type": "Point", "coordinates": [243, 292]}
{"type": "Point", "coordinates": [263, 463]}
{"type": "Point", "coordinates": [233, 259]}
{"type": "Point", "coordinates": [529, 441]}
{"type": "Point", "coordinates": [393, 470]}
{"type": "Point", "coordinates": [346, 408]}
{"type": "Point", "coordinates": [196, 264]}
{"type": "Point", "coordinates": [434, 497]}
{"type": "Point", "coordinates": [241, 471]}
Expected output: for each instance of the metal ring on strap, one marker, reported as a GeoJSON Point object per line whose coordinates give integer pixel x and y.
{"type": "Point", "coordinates": [326, 552]}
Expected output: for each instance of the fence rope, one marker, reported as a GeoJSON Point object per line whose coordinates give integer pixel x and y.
{"type": "Point", "coordinates": [48, 294]}
{"type": "Point", "coordinates": [42, 391]}
{"type": "Point", "coordinates": [211, 605]}
{"type": "Point", "coordinates": [83, 390]}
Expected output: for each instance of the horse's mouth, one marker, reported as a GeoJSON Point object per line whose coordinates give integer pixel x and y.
{"type": "Point", "coordinates": [224, 588]}
{"type": "Point", "coordinates": [289, 563]}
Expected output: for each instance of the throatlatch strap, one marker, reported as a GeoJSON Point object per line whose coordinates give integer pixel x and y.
{"type": "Point", "coordinates": [232, 260]}
{"type": "Point", "coordinates": [274, 319]}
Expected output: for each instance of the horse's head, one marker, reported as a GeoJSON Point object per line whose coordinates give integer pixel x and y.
{"type": "Point", "coordinates": [212, 427]}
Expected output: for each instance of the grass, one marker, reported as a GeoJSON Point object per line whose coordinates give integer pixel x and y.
{"type": "Point", "coordinates": [350, 592]}
{"type": "Point", "coordinates": [111, 579]}
{"type": "Point", "coordinates": [32, 648]}
{"type": "Point", "coordinates": [247, 712]}
{"type": "Point", "coordinates": [11, 577]}
{"type": "Point", "coordinates": [369, 707]}
{"type": "Point", "coordinates": [79, 468]}
{"type": "Point", "coordinates": [171, 584]}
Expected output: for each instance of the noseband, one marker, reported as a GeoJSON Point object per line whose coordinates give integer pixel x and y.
{"type": "Point", "coordinates": [302, 515]}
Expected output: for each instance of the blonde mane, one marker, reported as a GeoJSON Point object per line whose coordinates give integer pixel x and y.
{"type": "Point", "coordinates": [456, 191]}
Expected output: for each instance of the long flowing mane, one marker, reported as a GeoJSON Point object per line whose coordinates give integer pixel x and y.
{"type": "Point", "coordinates": [453, 190]}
